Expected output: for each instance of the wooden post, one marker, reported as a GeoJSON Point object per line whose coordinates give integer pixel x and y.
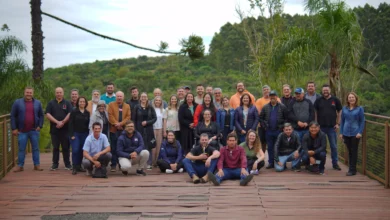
{"type": "Point", "coordinates": [5, 148]}
{"type": "Point", "coordinates": [364, 149]}
{"type": "Point", "coordinates": [387, 156]}
{"type": "Point", "coordinates": [14, 153]}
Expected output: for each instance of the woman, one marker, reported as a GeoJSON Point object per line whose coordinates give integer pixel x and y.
{"type": "Point", "coordinates": [186, 121]}
{"type": "Point", "coordinates": [144, 117]}
{"type": "Point", "coordinates": [171, 155]}
{"type": "Point", "coordinates": [78, 132]}
{"type": "Point", "coordinates": [225, 119]}
{"type": "Point", "coordinates": [246, 117]}
{"type": "Point", "coordinates": [158, 127]}
{"type": "Point", "coordinates": [171, 118]}
{"type": "Point", "coordinates": [101, 116]}
{"type": "Point", "coordinates": [209, 127]}
{"type": "Point", "coordinates": [206, 104]}
{"type": "Point", "coordinates": [254, 155]}
{"type": "Point", "coordinates": [351, 129]}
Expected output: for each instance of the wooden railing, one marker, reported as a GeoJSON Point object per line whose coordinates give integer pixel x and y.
{"type": "Point", "coordinates": [8, 146]}
{"type": "Point", "coordinates": [374, 149]}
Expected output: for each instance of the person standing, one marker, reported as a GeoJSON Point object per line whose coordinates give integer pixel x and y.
{"type": "Point", "coordinates": [328, 112]}
{"type": "Point", "coordinates": [92, 104]}
{"type": "Point", "coordinates": [58, 112]}
{"type": "Point", "coordinates": [78, 132]}
{"type": "Point", "coordinates": [235, 100]}
{"type": "Point", "coordinates": [144, 117]}
{"type": "Point", "coordinates": [134, 100]}
{"type": "Point", "coordinates": [110, 95]}
{"type": "Point", "coordinates": [171, 118]}
{"type": "Point", "coordinates": [218, 98]}
{"type": "Point", "coordinates": [158, 127]}
{"type": "Point", "coordinates": [200, 94]}
{"type": "Point", "coordinates": [351, 129]}
{"type": "Point", "coordinates": [74, 95]}
{"type": "Point", "coordinates": [287, 98]}
{"type": "Point", "coordinates": [158, 92]}
{"type": "Point", "coordinates": [225, 119]}
{"type": "Point", "coordinates": [207, 104]}
{"type": "Point", "coordinates": [186, 121]}
{"type": "Point", "coordinates": [26, 124]}
{"type": "Point", "coordinates": [246, 117]}
{"type": "Point", "coordinates": [100, 116]}
{"type": "Point", "coordinates": [181, 93]}
{"type": "Point", "coordinates": [311, 92]}
{"type": "Point", "coordinates": [118, 113]}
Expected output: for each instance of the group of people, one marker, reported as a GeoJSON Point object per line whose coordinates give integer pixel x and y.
{"type": "Point", "coordinates": [211, 136]}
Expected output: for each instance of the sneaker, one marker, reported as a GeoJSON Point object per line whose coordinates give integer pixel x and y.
{"type": "Point", "coordinates": [54, 167]}
{"type": "Point", "coordinates": [321, 172]}
{"type": "Point", "coordinates": [246, 180]}
{"type": "Point", "coordinates": [212, 178]}
{"type": "Point", "coordinates": [168, 171]}
{"type": "Point", "coordinates": [254, 172]}
{"type": "Point", "coordinates": [141, 173]}
{"type": "Point", "coordinates": [124, 173]}
{"type": "Point", "coordinates": [113, 169]}
{"type": "Point", "coordinates": [68, 167]}
{"type": "Point", "coordinates": [351, 173]}
{"type": "Point", "coordinates": [336, 167]}
{"type": "Point", "coordinates": [296, 169]}
{"type": "Point", "coordinates": [149, 167]}
{"type": "Point", "coordinates": [180, 170]}
{"type": "Point", "coordinates": [88, 173]}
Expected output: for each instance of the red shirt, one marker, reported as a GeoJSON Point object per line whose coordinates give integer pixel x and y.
{"type": "Point", "coordinates": [235, 158]}
{"type": "Point", "coordinates": [29, 121]}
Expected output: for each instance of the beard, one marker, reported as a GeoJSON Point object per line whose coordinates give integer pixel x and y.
{"type": "Point", "coordinates": [95, 99]}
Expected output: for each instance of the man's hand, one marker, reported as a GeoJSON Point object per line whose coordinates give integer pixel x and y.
{"type": "Point", "coordinates": [244, 172]}
{"type": "Point", "coordinates": [296, 154]}
{"type": "Point", "coordinates": [96, 156]}
{"type": "Point", "coordinates": [280, 163]}
{"type": "Point", "coordinates": [73, 137]}
{"type": "Point", "coordinates": [202, 157]}
{"type": "Point", "coordinates": [15, 132]}
{"type": "Point", "coordinates": [220, 173]}
{"type": "Point", "coordinates": [358, 136]}
{"type": "Point", "coordinates": [97, 164]}
{"type": "Point", "coordinates": [173, 166]}
{"type": "Point", "coordinates": [191, 125]}
{"type": "Point", "coordinates": [341, 136]}
{"type": "Point", "coordinates": [301, 124]}
{"type": "Point", "coordinates": [208, 162]}
{"type": "Point", "coordinates": [60, 124]}
{"type": "Point", "coordinates": [336, 127]}
{"type": "Point", "coordinates": [243, 132]}
{"type": "Point", "coordinates": [311, 153]}
{"type": "Point", "coordinates": [133, 155]}
{"type": "Point", "coordinates": [38, 129]}
{"type": "Point", "coordinates": [144, 123]}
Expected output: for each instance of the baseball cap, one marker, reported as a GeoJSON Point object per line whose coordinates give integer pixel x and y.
{"type": "Point", "coordinates": [299, 90]}
{"type": "Point", "coordinates": [186, 87]}
{"type": "Point", "coordinates": [273, 92]}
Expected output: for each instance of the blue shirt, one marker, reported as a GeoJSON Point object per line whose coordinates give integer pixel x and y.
{"type": "Point", "coordinates": [352, 121]}
{"type": "Point", "coordinates": [273, 118]}
{"type": "Point", "coordinates": [94, 146]}
{"type": "Point", "coordinates": [108, 99]}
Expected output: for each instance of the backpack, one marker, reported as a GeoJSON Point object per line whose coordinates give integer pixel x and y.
{"type": "Point", "coordinates": [100, 172]}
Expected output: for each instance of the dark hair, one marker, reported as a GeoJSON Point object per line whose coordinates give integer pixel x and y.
{"type": "Point", "coordinates": [314, 123]}
{"type": "Point", "coordinates": [129, 122]}
{"type": "Point", "coordinates": [132, 88]}
{"type": "Point", "coordinates": [238, 83]}
{"type": "Point", "coordinates": [212, 106]}
{"type": "Point", "coordinates": [96, 123]}
{"type": "Point", "coordinates": [78, 99]}
{"type": "Point", "coordinates": [310, 82]}
{"type": "Point", "coordinates": [285, 125]}
{"type": "Point", "coordinates": [74, 90]}
{"type": "Point", "coordinates": [242, 97]}
{"type": "Point", "coordinates": [203, 135]}
{"type": "Point", "coordinates": [326, 85]}
{"type": "Point", "coordinates": [185, 98]}
{"type": "Point", "coordinates": [199, 85]}
{"type": "Point", "coordinates": [232, 135]}
{"type": "Point", "coordinates": [110, 84]}
{"type": "Point", "coordinates": [174, 144]}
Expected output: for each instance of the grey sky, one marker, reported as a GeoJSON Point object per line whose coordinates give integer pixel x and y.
{"type": "Point", "coordinates": [143, 23]}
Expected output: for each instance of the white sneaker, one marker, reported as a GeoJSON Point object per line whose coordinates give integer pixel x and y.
{"type": "Point", "coordinates": [254, 172]}
{"type": "Point", "coordinates": [88, 173]}
{"type": "Point", "coordinates": [168, 171]}
{"type": "Point", "coordinates": [149, 167]}
{"type": "Point", "coordinates": [180, 170]}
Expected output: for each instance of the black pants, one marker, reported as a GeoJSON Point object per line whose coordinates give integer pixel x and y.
{"type": "Point", "coordinates": [103, 159]}
{"type": "Point", "coordinates": [250, 163]}
{"type": "Point", "coordinates": [352, 145]}
{"type": "Point", "coordinates": [57, 139]}
{"type": "Point", "coordinates": [261, 132]}
{"type": "Point", "coordinates": [164, 165]}
{"type": "Point", "coordinates": [113, 142]}
{"type": "Point", "coordinates": [226, 131]}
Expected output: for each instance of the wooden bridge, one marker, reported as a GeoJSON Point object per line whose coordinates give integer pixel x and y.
{"type": "Point", "coordinates": [287, 195]}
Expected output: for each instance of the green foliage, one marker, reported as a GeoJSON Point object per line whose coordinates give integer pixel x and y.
{"type": "Point", "coordinates": [193, 47]}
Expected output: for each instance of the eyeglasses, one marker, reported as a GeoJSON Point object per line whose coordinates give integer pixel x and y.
{"type": "Point", "coordinates": [101, 106]}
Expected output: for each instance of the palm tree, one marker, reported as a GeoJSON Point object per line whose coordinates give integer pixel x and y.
{"type": "Point", "coordinates": [334, 41]}
{"type": "Point", "coordinates": [37, 39]}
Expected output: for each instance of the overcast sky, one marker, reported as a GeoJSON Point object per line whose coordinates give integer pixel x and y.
{"type": "Point", "coordinates": [143, 23]}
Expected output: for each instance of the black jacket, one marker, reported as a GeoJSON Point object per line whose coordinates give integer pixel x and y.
{"type": "Point", "coordinates": [185, 116]}
{"type": "Point", "coordinates": [284, 147]}
{"type": "Point", "coordinates": [211, 130]}
{"type": "Point", "coordinates": [317, 144]}
{"type": "Point", "coordinates": [147, 132]}
{"type": "Point", "coordinates": [300, 111]}
{"type": "Point", "coordinates": [265, 113]}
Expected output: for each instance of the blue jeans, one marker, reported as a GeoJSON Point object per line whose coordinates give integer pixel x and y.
{"type": "Point", "coordinates": [77, 147]}
{"type": "Point", "coordinates": [199, 169]}
{"type": "Point", "coordinates": [287, 158]}
{"type": "Point", "coordinates": [241, 138]}
{"type": "Point", "coordinates": [22, 142]}
{"type": "Point", "coordinates": [225, 133]}
{"type": "Point", "coordinates": [271, 137]}
{"type": "Point", "coordinates": [230, 174]}
{"type": "Point", "coordinates": [318, 156]}
{"type": "Point", "coordinates": [332, 137]}
{"type": "Point", "coordinates": [113, 142]}
{"type": "Point", "coordinates": [301, 133]}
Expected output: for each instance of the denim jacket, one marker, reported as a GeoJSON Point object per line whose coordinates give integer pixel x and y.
{"type": "Point", "coordinates": [352, 121]}
{"type": "Point", "coordinates": [18, 112]}
{"type": "Point", "coordinates": [221, 118]}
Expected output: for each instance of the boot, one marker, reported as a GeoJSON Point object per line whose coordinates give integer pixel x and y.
{"type": "Point", "coordinates": [38, 168]}
{"type": "Point", "coordinates": [18, 169]}
{"type": "Point", "coordinates": [74, 170]}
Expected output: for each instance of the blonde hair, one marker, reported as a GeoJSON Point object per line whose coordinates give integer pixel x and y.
{"type": "Point", "coordinates": [154, 103]}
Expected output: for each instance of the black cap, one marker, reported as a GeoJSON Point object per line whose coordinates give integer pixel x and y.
{"type": "Point", "coordinates": [273, 92]}
{"type": "Point", "coordinates": [186, 87]}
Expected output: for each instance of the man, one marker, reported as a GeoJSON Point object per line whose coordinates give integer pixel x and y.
{"type": "Point", "coordinates": [92, 104]}
{"type": "Point", "coordinates": [110, 95]}
{"type": "Point", "coordinates": [287, 97]}
{"type": "Point", "coordinates": [235, 99]}
{"type": "Point", "coordinates": [232, 164]}
{"type": "Point", "coordinates": [287, 149]}
{"type": "Point", "coordinates": [187, 89]}
{"type": "Point", "coordinates": [58, 112]}
{"type": "Point", "coordinates": [158, 92]}
{"type": "Point", "coordinates": [314, 148]}
{"type": "Point", "coordinates": [202, 159]}
{"type": "Point", "coordinates": [301, 113]}
{"type": "Point", "coordinates": [311, 92]}
{"type": "Point", "coordinates": [118, 113]}
{"type": "Point", "coordinates": [218, 98]}
{"type": "Point", "coordinates": [134, 100]}
{"type": "Point", "coordinates": [131, 150]}
{"type": "Point", "coordinates": [180, 95]}
{"type": "Point", "coordinates": [96, 150]}
{"type": "Point", "coordinates": [272, 118]}
{"type": "Point", "coordinates": [209, 89]}
{"type": "Point", "coordinates": [200, 93]}
{"type": "Point", "coordinates": [26, 123]}
{"type": "Point", "coordinates": [328, 114]}
{"type": "Point", "coordinates": [74, 95]}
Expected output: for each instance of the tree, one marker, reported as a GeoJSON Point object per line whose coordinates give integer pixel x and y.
{"type": "Point", "coordinates": [37, 40]}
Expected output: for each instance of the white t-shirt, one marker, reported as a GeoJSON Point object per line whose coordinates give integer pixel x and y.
{"type": "Point", "coordinates": [172, 117]}
{"type": "Point", "coordinates": [159, 122]}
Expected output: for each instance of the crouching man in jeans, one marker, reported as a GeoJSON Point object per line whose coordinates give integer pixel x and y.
{"type": "Point", "coordinates": [202, 159]}
{"type": "Point", "coordinates": [232, 164]}
{"type": "Point", "coordinates": [287, 149]}
{"type": "Point", "coordinates": [96, 150]}
{"type": "Point", "coordinates": [131, 150]}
